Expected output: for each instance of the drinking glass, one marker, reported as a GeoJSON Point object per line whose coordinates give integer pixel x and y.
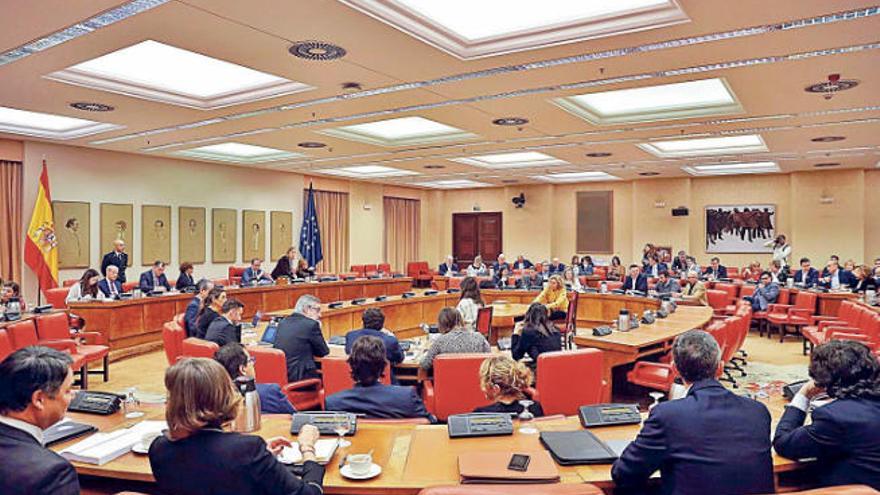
{"type": "Point", "coordinates": [341, 429]}
{"type": "Point", "coordinates": [525, 416]}
{"type": "Point", "coordinates": [132, 404]}
{"type": "Point", "coordinates": [656, 396]}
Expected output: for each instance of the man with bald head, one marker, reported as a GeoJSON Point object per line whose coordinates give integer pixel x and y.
{"type": "Point", "coordinates": [111, 286]}
{"type": "Point", "coordinates": [118, 258]}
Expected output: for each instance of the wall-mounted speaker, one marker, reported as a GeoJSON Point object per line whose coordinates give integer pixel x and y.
{"type": "Point", "coordinates": [681, 211]}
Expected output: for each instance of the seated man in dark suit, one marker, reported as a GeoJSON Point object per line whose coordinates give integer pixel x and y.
{"type": "Point", "coordinates": [522, 263]}
{"type": "Point", "coordinates": [835, 258]}
{"type": "Point", "coordinates": [766, 293]}
{"type": "Point", "coordinates": [374, 325]}
{"type": "Point", "coordinates": [715, 270]}
{"type": "Point", "coordinates": [448, 267]}
{"type": "Point", "coordinates": [807, 276]}
{"type": "Point", "coordinates": [835, 278]}
{"type": "Point", "coordinates": [711, 441]}
{"type": "Point", "coordinates": [556, 268]}
{"type": "Point", "coordinates": [154, 280]}
{"type": "Point", "coordinates": [227, 327]}
{"type": "Point", "coordinates": [238, 362]}
{"type": "Point", "coordinates": [111, 286]}
{"type": "Point", "coordinates": [655, 266]}
{"type": "Point", "coordinates": [254, 274]}
{"type": "Point", "coordinates": [844, 435]}
{"type": "Point", "coordinates": [370, 397]}
{"type": "Point", "coordinates": [118, 258]}
{"type": "Point", "coordinates": [35, 390]}
{"type": "Point", "coordinates": [636, 280]}
{"type": "Point", "coordinates": [191, 316]}
{"type": "Point", "coordinates": [500, 263]}
{"type": "Point", "coordinates": [679, 264]}
{"type": "Point", "coordinates": [299, 336]}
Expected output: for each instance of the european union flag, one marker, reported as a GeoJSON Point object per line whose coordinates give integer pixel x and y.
{"type": "Point", "coordinates": [309, 234]}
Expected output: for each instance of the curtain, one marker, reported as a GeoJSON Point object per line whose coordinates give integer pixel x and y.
{"type": "Point", "coordinates": [10, 226]}
{"type": "Point", "coordinates": [332, 208]}
{"type": "Point", "coordinates": [402, 231]}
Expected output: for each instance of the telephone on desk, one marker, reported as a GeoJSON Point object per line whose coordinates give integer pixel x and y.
{"type": "Point", "coordinates": [94, 402]}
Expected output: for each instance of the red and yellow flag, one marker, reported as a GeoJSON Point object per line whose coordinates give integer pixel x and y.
{"type": "Point", "coordinates": [41, 244]}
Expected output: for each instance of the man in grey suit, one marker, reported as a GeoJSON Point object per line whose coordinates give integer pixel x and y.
{"type": "Point", "coordinates": [766, 293]}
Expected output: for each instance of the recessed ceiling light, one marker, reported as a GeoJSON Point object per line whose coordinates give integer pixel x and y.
{"type": "Point", "coordinates": [469, 29]}
{"type": "Point", "coordinates": [827, 164]}
{"type": "Point", "coordinates": [511, 121]}
{"type": "Point", "coordinates": [92, 107]}
{"type": "Point", "coordinates": [827, 139]}
{"type": "Point", "coordinates": [367, 172]}
{"type": "Point", "coordinates": [403, 131]}
{"type": "Point", "coordinates": [47, 125]}
{"type": "Point", "coordinates": [733, 168]}
{"type": "Point", "coordinates": [598, 154]}
{"type": "Point", "coordinates": [311, 144]}
{"type": "Point", "coordinates": [434, 167]}
{"type": "Point", "coordinates": [749, 143]}
{"type": "Point", "coordinates": [650, 103]}
{"type": "Point", "coordinates": [512, 160]}
{"type": "Point", "coordinates": [576, 177]}
{"type": "Point", "coordinates": [649, 174]}
{"type": "Point", "coordinates": [451, 184]}
{"type": "Point", "coordinates": [238, 153]}
{"type": "Point", "coordinates": [316, 50]}
{"type": "Point", "coordinates": [160, 72]}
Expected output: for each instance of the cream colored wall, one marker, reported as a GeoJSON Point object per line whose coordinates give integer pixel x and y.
{"type": "Point", "coordinates": [10, 150]}
{"type": "Point", "coordinates": [872, 215]}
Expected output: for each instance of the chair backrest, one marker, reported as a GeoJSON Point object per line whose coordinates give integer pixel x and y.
{"type": "Point", "coordinates": [23, 333]}
{"type": "Point", "coordinates": [746, 290]}
{"type": "Point", "coordinates": [270, 365]}
{"type": "Point", "coordinates": [614, 284]}
{"type": "Point", "coordinates": [193, 347]}
{"type": "Point", "coordinates": [730, 335]}
{"type": "Point", "coordinates": [359, 269]}
{"type": "Point", "coordinates": [53, 326]}
{"type": "Point", "coordinates": [6, 347]}
{"type": "Point", "coordinates": [384, 268]}
{"type": "Point", "coordinates": [717, 298]}
{"type": "Point", "coordinates": [178, 320]}
{"type": "Point", "coordinates": [600, 271]}
{"type": "Point", "coordinates": [784, 296]}
{"type": "Point", "coordinates": [412, 269]}
{"type": "Point", "coordinates": [172, 338]}
{"type": "Point", "coordinates": [732, 272]}
{"type": "Point", "coordinates": [56, 297]}
{"type": "Point", "coordinates": [69, 282]}
{"type": "Point", "coordinates": [732, 291]}
{"type": "Point", "coordinates": [336, 375]}
{"type": "Point", "coordinates": [484, 321]}
{"type": "Point", "coordinates": [370, 269]}
{"type": "Point", "coordinates": [129, 286]}
{"type": "Point", "coordinates": [235, 273]}
{"type": "Point", "coordinates": [805, 300]}
{"type": "Point", "coordinates": [457, 384]}
{"type": "Point", "coordinates": [569, 379]}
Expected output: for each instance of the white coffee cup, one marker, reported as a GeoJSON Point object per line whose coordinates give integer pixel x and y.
{"type": "Point", "coordinates": [147, 439]}
{"type": "Point", "coordinates": [360, 464]}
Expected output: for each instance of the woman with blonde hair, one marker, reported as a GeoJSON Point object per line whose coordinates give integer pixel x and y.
{"type": "Point", "coordinates": [753, 271]}
{"type": "Point", "coordinates": [506, 382]}
{"type": "Point", "coordinates": [199, 457]}
{"type": "Point", "coordinates": [554, 297]}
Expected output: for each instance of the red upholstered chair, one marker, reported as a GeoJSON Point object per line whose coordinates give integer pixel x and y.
{"type": "Point", "coordinates": [793, 316]}
{"type": "Point", "coordinates": [761, 316]}
{"type": "Point", "coordinates": [69, 282]}
{"type": "Point", "coordinates": [848, 315]}
{"type": "Point", "coordinates": [420, 273]}
{"type": "Point", "coordinates": [360, 270]}
{"type": "Point", "coordinates": [656, 376]}
{"type": "Point", "coordinates": [92, 345]}
{"type": "Point", "coordinates": [484, 321]}
{"type": "Point", "coordinates": [129, 286]}
{"type": "Point", "coordinates": [24, 334]}
{"type": "Point", "coordinates": [370, 270]}
{"type": "Point", "coordinates": [731, 289]}
{"type": "Point", "coordinates": [568, 327]}
{"type": "Point", "coordinates": [614, 284]}
{"type": "Point", "coordinates": [270, 366]}
{"type": "Point", "coordinates": [235, 273]}
{"type": "Point", "coordinates": [193, 347]}
{"type": "Point", "coordinates": [56, 297]}
{"type": "Point", "coordinates": [569, 379]}
{"type": "Point", "coordinates": [555, 489]}
{"type": "Point", "coordinates": [172, 338]}
{"type": "Point", "coordinates": [178, 320]}
{"type": "Point", "coordinates": [600, 271]}
{"type": "Point", "coordinates": [733, 272]}
{"type": "Point", "coordinates": [384, 268]}
{"type": "Point", "coordinates": [867, 330]}
{"type": "Point", "coordinates": [455, 388]}
{"type": "Point", "coordinates": [336, 376]}
{"type": "Point", "coordinates": [6, 347]}
{"type": "Point", "coordinates": [718, 300]}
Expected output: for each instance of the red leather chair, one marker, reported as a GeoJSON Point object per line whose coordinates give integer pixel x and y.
{"type": "Point", "coordinates": [568, 328]}
{"type": "Point", "coordinates": [420, 272]}
{"type": "Point", "coordinates": [172, 338]}
{"type": "Point", "coordinates": [384, 268]}
{"type": "Point", "coordinates": [794, 316]}
{"type": "Point", "coordinates": [129, 286]}
{"type": "Point", "coordinates": [569, 379]}
{"type": "Point", "coordinates": [92, 346]}
{"type": "Point", "coordinates": [600, 271]}
{"type": "Point", "coordinates": [554, 489]}
{"type": "Point", "coordinates": [866, 329]}
{"type": "Point", "coordinates": [370, 270]}
{"type": "Point", "coordinates": [69, 282]}
{"type": "Point", "coordinates": [732, 291]}
{"type": "Point", "coordinates": [6, 347]}
{"type": "Point", "coordinates": [717, 300]}
{"type": "Point", "coordinates": [733, 272]}
{"type": "Point", "coordinates": [178, 320]}
{"type": "Point", "coordinates": [359, 270]}
{"type": "Point", "coordinates": [336, 376]}
{"type": "Point", "coordinates": [24, 334]}
{"type": "Point", "coordinates": [270, 366]}
{"type": "Point", "coordinates": [455, 388]}
{"type": "Point", "coordinates": [614, 284]}
{"type": "Point", "coordinates": [761, 316]}
{"type": "Point", "coordinates": [193, 347]}
{"type": "Point", "coordinates": [234, 274]}
{"type": "Point", "coordinates": [656, 376]}
{"type": "Point", "coordinates": [56, 297]}
{"type": "Point", "coordinates": [484, 321]}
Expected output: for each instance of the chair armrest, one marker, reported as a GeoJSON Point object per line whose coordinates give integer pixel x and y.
{"type": "Point", "coordinates": [92, 338]}
{"type": "Point", "coordinates": [824, 325]}
{"type": "Point", "coordinates": [428, 395]}
{"type": "Point", "coordinates": [60, 344]}
{"type": "Point", "coordinates": [779, 308]}
{"type": "Point", "coordinates": [832, 331]}
{"type": "Point", "coordinates": [309, 384]}
{"type": "Point", "coordinates": [806, 314]}
{"type": "Point", "coordinates": [858, 337]}
{"type": "Point", "coordinates": [817, 319]}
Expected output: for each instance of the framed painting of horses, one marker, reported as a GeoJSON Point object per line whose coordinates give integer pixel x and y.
{"type": "Point", "coordinates": [740, 228]}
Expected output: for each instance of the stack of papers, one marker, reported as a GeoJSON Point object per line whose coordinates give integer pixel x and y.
{"type": "Point", "coordinates": [324, 450]}
{"type": "Point", "coordinates": [102, 448]}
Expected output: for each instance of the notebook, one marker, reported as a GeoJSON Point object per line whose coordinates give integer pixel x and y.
{"type": "Point", "coordinates": [577, 447]}
{"type": "Point", "coordinates": [324, 450]}
{"type": "Point", "coordinates": [102, 448]}
{"type": "Point", "coordinates": [491, 467]}
{"type": "Point", "coordinates": [65, 430]}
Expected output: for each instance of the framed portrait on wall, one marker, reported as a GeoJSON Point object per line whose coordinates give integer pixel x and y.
{"type": "Point", "coordinates": [191, 234]}
{"type": "Point", "coordinates": [253, 239]}
{"type": "Point", "coordinates": [72, 227]}
{"type": "Point", "coordinates": [155, 234]}
{"type": "Point", "coordinates": [282, 233]}
{"type": "Point", "coordinates": [740, 228]}
{"type": "Point", "coordinates": [223, 229]}
{"type": "Point", "coordinates": [117, 223]}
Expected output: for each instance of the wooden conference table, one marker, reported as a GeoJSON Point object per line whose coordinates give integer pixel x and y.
{"type": "Point", "coordinates": [412, 457]}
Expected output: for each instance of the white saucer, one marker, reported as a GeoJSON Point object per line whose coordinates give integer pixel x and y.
{"type": "Point", "coordinates": [374, 471]}
{"type": "Point", "coordinates": [140, 448]}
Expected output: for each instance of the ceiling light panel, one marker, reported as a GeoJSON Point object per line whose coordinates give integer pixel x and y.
{"type": "Point", "coordinates": [451, 184]}
{"type": "Point", "coordinates": [50, 126]}
{"type": "Point", "coordinates": [403, 131]}
{"type": "Point", "coordinates": [576, 177]}
{"type": "Point", "coordinates": [239, 153]}
{"type": "Point", "coordinates": [732, 168]}
{"type": "Point", "coordinates": [512, 160]}
{"type": "Point", "coordinates": [367, 172]}
{"type": "Point", "coordinates": [749, 143]}
{"type": "Point", "coordinates": [652, 103]}
{"type": "Point", "coordinates": [155, 71]}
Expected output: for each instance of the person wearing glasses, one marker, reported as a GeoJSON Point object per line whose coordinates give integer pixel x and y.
{"type": "Point", "coordinates": [239, 362]}
{"type": "Point", "coordinates": [299, 336]}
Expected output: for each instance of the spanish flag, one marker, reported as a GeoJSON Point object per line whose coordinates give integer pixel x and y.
{"type": "Point", "coordinates": [41, 244]}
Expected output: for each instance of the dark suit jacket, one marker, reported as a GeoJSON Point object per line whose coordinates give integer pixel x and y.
{"type": "Point", "coordinates": [104, 286]}
{"type": "Point", "coordinates": [722, 271]}
{"type": "Point", "coordinates": [444, 269]}
{"type": "Point", "coordinates": [273, 400]}
{"type": "Point", "coordinates": [249, 276]}
{"type": "Point", "coordinates": [641, 283]}
{"type": "Point", "coordinates": [712, 441]}
{"type": "Point", "coordinates": [120, 261]}
{"type": "Point", "coordinates": [679, 265]}
{"type": "Point", "coordinates": [559, 269]}
{"type": "Point", "coordinates": [204, 321]}
{"type": "Point", "coordinates": [301, 340]}
{"type": "Point", "coordinates": [282, 268]}
{"type": "Point", "coordinates": [379, 401]}
{"type": "Point", "coordinates": [145, 284]}
{"type": "Point", "coordinates": [497, 267]}
{"type": "Point", "coordinates": [846, 278]}
{"type": "Point", "coordinates": [392, 345]}
{"type": "Point", "coordinates": [844, 436]}
{"type": "Point", "coordinates": [661, 267]}
{"type": "Point", "coordinates": [222, 332]}
{"type": "Point", "coordinates": [190, 318]}
{"type": "Point", "coordinates": [184, 281]}
{"type": "Point", "coordinates": [28, 467]}
{"type": "Point", "coordinates": [811, 279]}
{"type": "Point", "coordinates": [213, 461]}
{"type": "Point", "coordinates": [525, 265]}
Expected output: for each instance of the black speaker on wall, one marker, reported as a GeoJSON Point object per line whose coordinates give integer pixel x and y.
{"type": "Point", "coordinates": [681, 211]}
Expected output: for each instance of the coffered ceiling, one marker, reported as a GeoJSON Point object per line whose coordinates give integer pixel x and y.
{"type": "Point", "coordinates": [415, 96]}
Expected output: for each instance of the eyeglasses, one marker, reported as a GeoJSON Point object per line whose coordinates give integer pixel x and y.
{"type": "Point", "coordinates": [252, 359]}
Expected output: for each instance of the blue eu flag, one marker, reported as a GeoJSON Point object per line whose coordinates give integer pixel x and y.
{"type": "Point", "coordinates": [309, 234]}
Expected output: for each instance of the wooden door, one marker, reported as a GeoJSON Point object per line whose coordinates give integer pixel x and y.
{"type": "Point", "coordinates": [476, 233]}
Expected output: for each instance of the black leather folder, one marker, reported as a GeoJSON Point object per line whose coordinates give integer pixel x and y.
{"type": "Point", "coordinates": [570, 448]}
